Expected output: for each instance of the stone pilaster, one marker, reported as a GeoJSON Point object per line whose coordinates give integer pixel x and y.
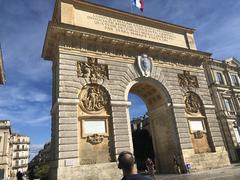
{"type": "Point", "coordinates": [122, 127]}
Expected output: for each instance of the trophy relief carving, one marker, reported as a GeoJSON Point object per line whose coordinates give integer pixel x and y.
{"type": "Point", "coordinates": [187, 80]}
{"type": "Point", "coordinates": [95, 139]}
{"type": "Point", "coordinates": [92, 70]}
{"type": "Point", "coordinates": [193, 103]}
{"type": "Point", "coordinates": [93, 98]}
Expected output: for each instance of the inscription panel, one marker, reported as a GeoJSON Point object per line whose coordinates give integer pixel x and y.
{"type": "Point", "coordinates": [122, 27]}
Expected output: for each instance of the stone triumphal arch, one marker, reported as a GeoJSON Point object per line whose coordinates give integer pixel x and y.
{"type": "Point", "coordinates": [99, 55]}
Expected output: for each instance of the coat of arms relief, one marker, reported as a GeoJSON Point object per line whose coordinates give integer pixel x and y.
{"type": "Point", "coordinates": [145, 65]}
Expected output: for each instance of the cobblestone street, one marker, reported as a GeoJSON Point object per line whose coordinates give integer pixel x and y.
{"type": "Point", "coordinates": [229, 173]}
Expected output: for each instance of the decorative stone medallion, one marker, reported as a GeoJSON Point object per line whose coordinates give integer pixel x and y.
{"type": "Point", "coordinates": [198, 134]}
{"type": "Point", "coordinates": [95, 139]}
{"type": "Point", "coordinates": [193, 103]}
{"type": "Point", "coordinates": [93, 98]}
{"type": "Point", "coordinates": [145, 65]}
{"type": "Point", "coordinates": [187, 80]}
{"type": "Point", "coordinates": [92, 70]}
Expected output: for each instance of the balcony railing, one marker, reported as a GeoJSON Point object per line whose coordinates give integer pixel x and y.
{"type": "Point", "coordinates": [17, 142]}
{"type": "Point", "coordinates": [20, 157]}
{"type": "Point", "coordinates": [21, 149]}
{"type": "Point", "coordinates": [230, 113]}
{"type": "Point", "coordinates": [20, 166]}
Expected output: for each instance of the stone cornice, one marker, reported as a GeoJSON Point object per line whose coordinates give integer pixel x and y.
{"type": "Point", "coordinates": [222, 64]}
{"type": "Point", "coordinates": [81, 38]}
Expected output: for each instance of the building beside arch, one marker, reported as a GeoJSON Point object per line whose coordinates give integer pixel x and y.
{"type": "Point", "coordinates": [224, 85]}
{"type": "Point", "coordinates": [5, 149]}
{"type": "Point", "coordinates": [20, 152]}
{"type": "Point", "coordinates": [99, 55]}
{"type": "Point", "coordinates": [5, 133]}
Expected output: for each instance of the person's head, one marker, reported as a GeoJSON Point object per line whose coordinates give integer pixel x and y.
{"type": "Point", "coordinates": [126, 161]}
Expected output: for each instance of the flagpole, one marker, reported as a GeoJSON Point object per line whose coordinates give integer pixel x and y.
{"type": "Point", "coordinates": [131, 6]}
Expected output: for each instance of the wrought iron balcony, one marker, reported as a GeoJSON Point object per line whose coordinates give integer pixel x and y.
{"type": "Point", "coordinates": [20, 157]}
{"type": "Point", "coordinates": [20, 166]}
{"type": "Point", "coordinates": [21, 149]}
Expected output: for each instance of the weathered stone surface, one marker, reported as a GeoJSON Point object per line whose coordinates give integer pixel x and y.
{"type": "Point", "coordinates": [106, 171]}
{"type": "Point", "coordinates": [68, 120]}
{"type": "Point", "coordinates": [71, 140]}
{"type": "Point", "coordinates": [68, 127]}
{"type": "Point", "coordinates": [68, 154]}
{"type": "Point", "coordinates": [67, 133]}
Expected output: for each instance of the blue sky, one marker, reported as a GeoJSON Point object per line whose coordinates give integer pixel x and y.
{"type": "Point", "coordinates": [26, 98]}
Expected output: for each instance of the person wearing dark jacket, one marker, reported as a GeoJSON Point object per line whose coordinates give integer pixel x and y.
{"type": "Point", "coordinates": [126, 162]}
{"type": "Point", "coordinates": [19, 175]}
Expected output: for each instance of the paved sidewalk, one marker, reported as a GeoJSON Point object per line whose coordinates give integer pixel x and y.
{"type": "Point", "coordinates": [227, 173]}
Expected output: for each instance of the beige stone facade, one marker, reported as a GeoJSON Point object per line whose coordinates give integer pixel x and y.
{"type": "Point", "coordinates": [20, 154]}
{"type": "Point", "coordinates": [97, 61]}
{"type": "Point", "coordinates": [5, 149]}
{"type": "Point", "coordinates": [224, 84]}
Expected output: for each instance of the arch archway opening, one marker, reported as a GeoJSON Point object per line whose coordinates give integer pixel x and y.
{"type": "Point", "coordinates": [141, 133]}
{"type": "Point", "coordinates": [153, 127]}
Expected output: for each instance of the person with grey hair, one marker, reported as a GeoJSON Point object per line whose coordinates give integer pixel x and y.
{"type": "Point", "coordinates": [126, 162]}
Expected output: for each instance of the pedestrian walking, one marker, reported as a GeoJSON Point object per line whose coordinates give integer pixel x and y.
{"type": "Point", "coordinates": [150, 168]}
{"type": "Point", "coordinates": [176, 163]}
{"type": "Point", "coordinates": [19, 175]}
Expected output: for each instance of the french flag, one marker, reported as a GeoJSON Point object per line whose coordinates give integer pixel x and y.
{"type": "Point", "coordinates": [139, 4]}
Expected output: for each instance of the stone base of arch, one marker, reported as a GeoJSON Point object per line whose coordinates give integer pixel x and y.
{"type": "Point", "coordinates": [206, 160]}
{"type": "Point", "coordinates": [106, 171]}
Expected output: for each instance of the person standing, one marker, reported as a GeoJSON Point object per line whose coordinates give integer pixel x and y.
{"type": "Point", "coordinates": [126, 162]}
{"type": "Point", "coordinates": [150, 168]}
{"type": "Point", "coordinates": [19, 175]}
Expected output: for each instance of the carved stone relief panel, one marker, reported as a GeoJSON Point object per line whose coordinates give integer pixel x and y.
{"type": "Point", "coordinates": [198, 134]}
{"type": "Point", "coordinates": [93, 99]}
{"type": "Point", "coordinates": [186, 80]}
{"type": "Point", "coordinates": [92, 70]}
{"type": "Point", "coordinates": [193, 103]}
{"type": "Point", "coordinates": [95, 139]}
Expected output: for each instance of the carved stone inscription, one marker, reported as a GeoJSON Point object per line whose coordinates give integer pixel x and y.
{"type": "Point", "coordinates": [87, 161]}
{"type": "Point", "coordinates": [187, 80]}
{"type": "Point", "coordinates": [126, 28]}
{"type": "Point", "coordinates": [93, 98]}
{"type": "Point", "coordinates": [92, 70]}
